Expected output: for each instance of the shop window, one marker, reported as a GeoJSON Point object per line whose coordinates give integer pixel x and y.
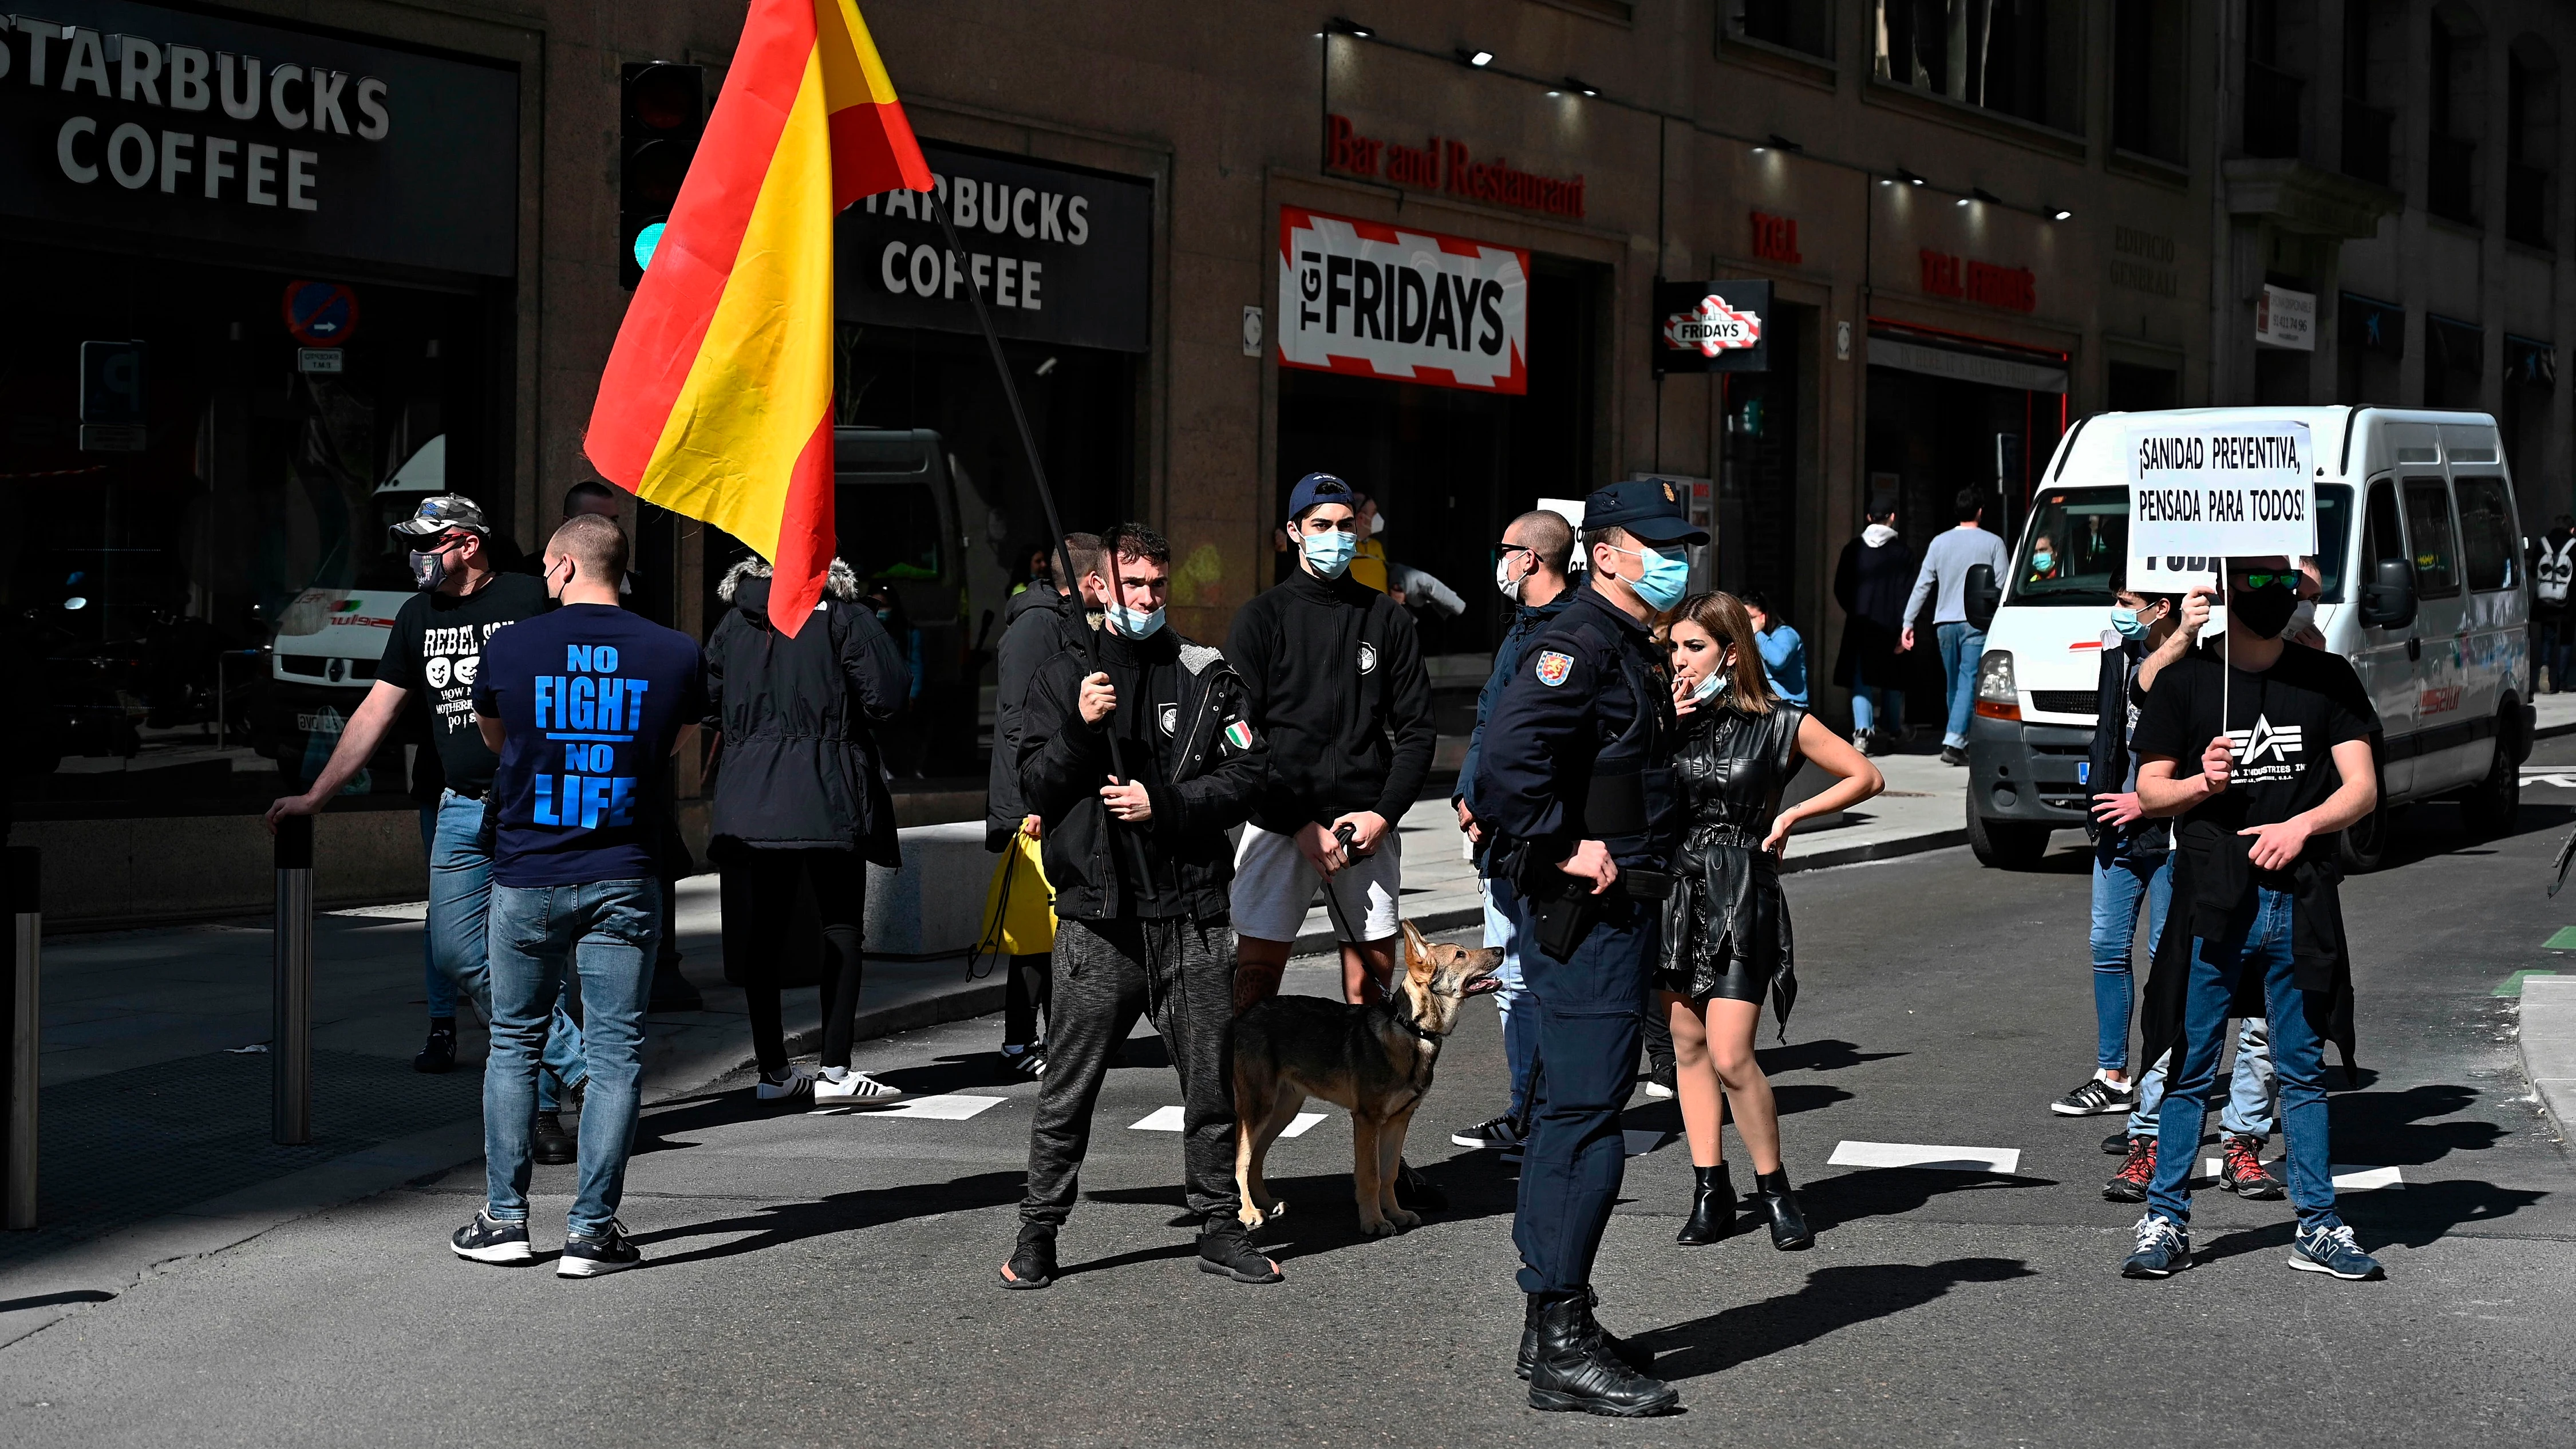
{"type": "Point", "coordinates": [2373, 74]}
{"type": "Point", "coordinates": [2454, 105]}
{"type": "Point", "coordinates": [2021, 57]}
{"type": "Point", "coordinates": [2150, 56]}
{"type": "Point", "coordinates": [2530, 138]}
{"type": "Point", "coordinates": [2370, 342]}
{"type": "Point", "coordinates": [1804, 25]}
{"type": "Point", "coordinates": [2488, 533]}
{"type": "Point", "coordinates": [2428, 532]}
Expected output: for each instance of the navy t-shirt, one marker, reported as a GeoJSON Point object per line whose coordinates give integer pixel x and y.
{"type": "Point", "coordinates": [590, 698]}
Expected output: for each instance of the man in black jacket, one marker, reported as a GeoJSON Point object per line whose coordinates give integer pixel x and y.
{"type": "Point", "coordinates": [1337, 687]}
{"type": "Point", "coordinates": [1040, 622]}
{"type": "Point", "coordinates": [1136, 770]}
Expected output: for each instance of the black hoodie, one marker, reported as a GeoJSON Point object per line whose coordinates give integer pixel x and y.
{"type": "Point", "coordinates": [1333, 675]}
{"type": "Point", "coordinates": [1037, 624]}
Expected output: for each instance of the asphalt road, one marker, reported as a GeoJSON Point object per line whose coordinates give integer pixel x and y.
{"type": "Point", "coordinates": [828, 1279]}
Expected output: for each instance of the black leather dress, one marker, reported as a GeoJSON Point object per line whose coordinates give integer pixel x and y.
{"type": "Point", "coordinates": [1726, 929]}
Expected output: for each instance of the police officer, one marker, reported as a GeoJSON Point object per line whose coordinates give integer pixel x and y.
{"type": "Point", "coordinates": [1575, 782]}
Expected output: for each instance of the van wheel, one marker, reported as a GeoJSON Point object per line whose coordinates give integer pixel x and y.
{"type": "Point", "coordinates": [2006, 844]}
{"type": "Point", "coordinates": [2491, 806]}
{"type": "Point", "coordinates": [2365, 845]}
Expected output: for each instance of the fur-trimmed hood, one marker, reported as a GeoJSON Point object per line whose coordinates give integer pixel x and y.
{"type": "Point", "coordinates": [842, 583]}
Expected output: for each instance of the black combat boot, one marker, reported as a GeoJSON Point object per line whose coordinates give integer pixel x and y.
{"type": "Point", "coordinates": [1789, 1230]}
{"type": "Point", "coordinates": [1627, 1351]}
{"type": "Point", "coordinates": [1712, 1214]}
{"type": "Point", "coordinates": [1573, 1371]}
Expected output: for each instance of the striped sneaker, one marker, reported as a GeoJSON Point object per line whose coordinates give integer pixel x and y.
{"type": "Point", "coordinates": [2096, 1097]}
{"type": "Point", "coordinates": [854, 1089]}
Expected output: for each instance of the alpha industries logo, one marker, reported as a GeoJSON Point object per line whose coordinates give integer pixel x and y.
{"type": "Point", "coordinates": [2267, 753]}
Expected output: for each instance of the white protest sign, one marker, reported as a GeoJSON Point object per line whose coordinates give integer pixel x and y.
{"type": "Point", "coordinates": [2206, 491]}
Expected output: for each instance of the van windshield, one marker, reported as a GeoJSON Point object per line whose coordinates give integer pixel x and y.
{"type": "Point", "coordinates": [2078, 536]}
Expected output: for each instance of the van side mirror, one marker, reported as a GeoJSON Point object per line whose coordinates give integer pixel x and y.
{"type": "Point", "coordinates": [2388, 598]}
{"type": "Point", "coordinates": [1982, 596]}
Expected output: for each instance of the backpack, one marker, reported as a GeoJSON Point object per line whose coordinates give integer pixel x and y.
{"type": "Point", "coordinates": [2554, 571]}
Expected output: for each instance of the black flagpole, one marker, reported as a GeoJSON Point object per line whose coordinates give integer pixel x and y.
{"type": "Point", "coordinates": [1029, 446]}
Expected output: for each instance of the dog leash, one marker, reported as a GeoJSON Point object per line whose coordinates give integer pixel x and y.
{"type": "Point", "coordinates": [1332, 901]}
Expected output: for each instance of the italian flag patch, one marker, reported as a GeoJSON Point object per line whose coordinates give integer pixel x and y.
{"type": "Point", "coordinates": [1239, 735]}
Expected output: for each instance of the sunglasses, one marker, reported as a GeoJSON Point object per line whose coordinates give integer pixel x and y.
{"type": "Point", "coordinates": [2270, 581]}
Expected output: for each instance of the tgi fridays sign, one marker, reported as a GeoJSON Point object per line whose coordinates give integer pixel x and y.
{"type": "Point", "coordinates": [1711, 326]}
{"type": "Point", "coordinates": [1374, 300]}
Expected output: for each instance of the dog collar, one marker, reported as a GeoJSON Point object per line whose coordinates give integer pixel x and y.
{"type": "Point", "coordinates": [1415, 1027]}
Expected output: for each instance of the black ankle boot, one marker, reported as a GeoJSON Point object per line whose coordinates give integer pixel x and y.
{"type": "Point", "coordinates": [1627, 1351]}
{"type": "Point", "coordinates": [1574, 1371]}
{"type": "Point", "coordinates": [1712, 1214]}
{"type": "Point", "coordinates": [1789, 1230]}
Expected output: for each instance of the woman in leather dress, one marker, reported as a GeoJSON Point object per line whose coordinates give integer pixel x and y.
{"type": "Point", "coordinates": [1726, 931]}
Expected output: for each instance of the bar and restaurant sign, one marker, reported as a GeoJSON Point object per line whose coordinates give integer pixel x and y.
{"type": "Point", "coordinates": [1446, 165]}
{"type": "Point", "coordinates": [1374, 300]}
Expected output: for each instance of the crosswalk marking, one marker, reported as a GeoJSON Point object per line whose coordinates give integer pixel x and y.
{"type": "Point", "coordinates": [954, 1107]}
{"type": "Point", "coordinates": [1908, 1154]}
{"type": "Point", "coordinates": [1168, 1119]}
{"type": "Point", "coordinates": [2346, 1179]}
{"type": "Point", "coordinates": [2557, 779]}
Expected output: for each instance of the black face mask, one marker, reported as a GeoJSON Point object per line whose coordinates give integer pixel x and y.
{"type": "Point", "coordinates": [428, 570]}
{"type": "Point", "coordinates": [2264, 611]}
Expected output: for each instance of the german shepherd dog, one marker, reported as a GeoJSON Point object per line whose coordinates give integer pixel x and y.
{"type": "Point", "coordinates": [1375, 1060]}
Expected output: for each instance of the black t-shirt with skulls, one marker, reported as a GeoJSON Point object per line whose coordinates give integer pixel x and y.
{"type": "Point", "coordinates": [436, 651]}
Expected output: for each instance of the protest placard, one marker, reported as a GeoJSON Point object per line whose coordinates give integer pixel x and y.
{"type": "Point", "coordinates": [2210, 491]}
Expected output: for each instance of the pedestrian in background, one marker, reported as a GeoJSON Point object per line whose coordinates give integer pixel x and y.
{"type": "Point", "coordinates": [1943, 583]}
{"type": "Point", "coordinates": [1784, 654]}
{"type": "Point", "coordinates": [1871, 582]}
{"type": "Point", "coordinates": [1040, 622]}
{"type": "Point", "coordinates": [436, 652]}
{"type": "Point", "coordinates": [2553, 590]}
{"type": "Point", "coordinates": [801, 800]}
{"type": "Point", "coordinates": [584, 706]}
{"type": "Point", "coordinates": [1529, 569]}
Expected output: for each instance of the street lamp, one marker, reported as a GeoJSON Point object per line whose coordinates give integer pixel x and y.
{"type": "Point", "coordinates": [1477, 58]}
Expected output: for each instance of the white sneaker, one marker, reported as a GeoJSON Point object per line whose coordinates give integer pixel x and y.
{"type": "Point", "coordinates": [856, 1089]}
{"type": "Point", "coordinates": [796, 1083]}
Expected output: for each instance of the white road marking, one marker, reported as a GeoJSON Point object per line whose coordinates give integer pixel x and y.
{"type": "Point", "coordinates": [2558, 778]}
{"type": "Point", "coordinates": [1168, 1119]}
{"type": "Point", "coordinates": [954, 1107]}
{"type": "Point", "coordinates": [2346, 1179]}
{"type": "Point", "coordinates": [1908, 1154]}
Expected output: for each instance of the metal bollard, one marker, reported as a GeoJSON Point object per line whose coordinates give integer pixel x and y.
{"type": "Point", "coordinates": [26, 904]}
{"type": "Point", "coordinates": [290, 1043]}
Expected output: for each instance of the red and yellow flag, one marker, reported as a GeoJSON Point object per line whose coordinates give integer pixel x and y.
{"type": "Point", "coordinates": [717, 399]}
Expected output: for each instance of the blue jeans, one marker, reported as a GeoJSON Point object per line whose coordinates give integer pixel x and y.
{"type": "Point", "coordinates": [1591, 1014]}
{"type": "Point", "coordinates": [1511, 997]}
{"type": "Point", "coordinates": [438, 989]}
{"type": "Point", "coordinates": [2117, 889]}
{"type": "Point", "coordinates": [460, 901]}
{"type": "Point", "coordinates": [606, 934]}
{"type": "Point", "coordinates": [1877, 707]}
{"type": "Point", "coordinates": [2253, 1096]}
{"type": "Point", "coordinates": [2298, 1057]}
{"type": "Point", "coordinates": [1962, 645]}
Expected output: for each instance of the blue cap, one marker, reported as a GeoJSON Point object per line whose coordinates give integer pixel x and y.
{"type": "Point", "coordinates": [1648, 508]}
{"type": "Point", "coordinates": [1317, 488]}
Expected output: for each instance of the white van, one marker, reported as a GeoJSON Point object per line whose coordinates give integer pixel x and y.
{"type": "Point", "coordinates": [2420, 549]}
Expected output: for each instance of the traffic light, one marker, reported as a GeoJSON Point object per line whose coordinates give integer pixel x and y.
{"type": "Point", "coordinates": [658, 126]}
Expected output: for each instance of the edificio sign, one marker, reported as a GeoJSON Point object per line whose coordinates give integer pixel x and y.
{"type": "Point", "coordinates": [1060, 254]}
{"type": "Point", "coordinates": [1375, 300]}
{"type": "Point", "coordinates": [201, 126]}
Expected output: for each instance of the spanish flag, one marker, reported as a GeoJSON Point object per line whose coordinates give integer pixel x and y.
{"type": "Point", "coordinates": [717, 398]}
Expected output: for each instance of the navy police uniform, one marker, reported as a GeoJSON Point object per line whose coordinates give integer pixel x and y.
{"type": "Point", "coordinates": [1579, 748]}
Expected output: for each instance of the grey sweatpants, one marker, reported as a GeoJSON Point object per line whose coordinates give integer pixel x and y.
{"type": "Point", "coordinates": [1107, 974]}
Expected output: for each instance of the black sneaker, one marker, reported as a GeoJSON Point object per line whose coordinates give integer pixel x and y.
{"type": "Point", "coordinates": [1032, 1262]}
{"type": "Point", "coordinates": [2117, 1144]}
{"type": "Point", "coordinates": [1953, 755]}
{"type": "Point", "coordinates": [487, 1239]}
{"type": "Point", "coordinates": [2242, 1171]}
{"type": "Point", "coordinates": [1225, 1249]}
{"type": "Point", "coordinates": [1414, 1193]}
{"type": "Point", "coordinates": [608, 1252]}
{"type": "Point", "coordinates": [439, 1055]}
{"type": "Point", "coordinates": [1494, 1133]}
{"type": "Point", "coordinates": [2095, 1098]}
{"type": "Point", "coordinates": [549, 1143]}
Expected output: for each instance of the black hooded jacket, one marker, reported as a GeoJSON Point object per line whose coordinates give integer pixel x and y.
{"type": "Point", "coordinates": [799, 768]}
{"type": "Point", "coordinates": [1334, 675]}
{"type": "Point", "coordinates": [1037, 624]}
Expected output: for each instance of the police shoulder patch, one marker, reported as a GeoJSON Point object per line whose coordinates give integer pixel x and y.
{"type": "Point", "coordinates": [1553, 667]}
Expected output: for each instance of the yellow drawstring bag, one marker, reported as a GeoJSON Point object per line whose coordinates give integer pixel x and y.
{"type": "Point", "coordinates": [1019, 906]}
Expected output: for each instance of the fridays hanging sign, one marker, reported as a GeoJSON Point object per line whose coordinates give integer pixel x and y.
{"type": "Point", "coordinates": [1374, 300]}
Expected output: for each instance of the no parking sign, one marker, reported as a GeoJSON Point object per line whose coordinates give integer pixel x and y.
{"type": "Point", "coordinates": [321, 314]}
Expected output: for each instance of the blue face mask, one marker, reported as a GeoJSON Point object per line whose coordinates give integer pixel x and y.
{"type": "Point", "coordinates": [1707, 689]}
{"type": "Point", "coordinates": [1130, 624]}
{"type": "Point", "coordinates": [1329, 552]}
{"type": "Point", "coordinates": [2127, 622]}
{"type": "Point", "coordinates": [2042, 562]}
{"type": "Point", "coordinates": [1667, 575]}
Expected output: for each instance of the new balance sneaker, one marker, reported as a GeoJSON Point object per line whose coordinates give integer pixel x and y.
{"type": "Point", "coordinates": [2332, 1250]}
{"type": "Point", "coordinates": [2242, 1171]}
{"type": "Point", "coordinates": [2095, 1097]}
{"type": "Point", "coordinates": [2137, 1169]}
{"type": "Point", "coordinates": [2164, 1249]}
{"type": "Point", "coordinates": [854, 1089]}
{"type": "Point", "coordinates": [549, 1143]}
{"type": "Point", "coordinates": [795, 1081]}
{"type": "Point", "coordinates": [606, 1251]}
{"type": "Point", "coordinates": [1500, 1133]}
{"type": "Point", "coordinates": [487, 1239]}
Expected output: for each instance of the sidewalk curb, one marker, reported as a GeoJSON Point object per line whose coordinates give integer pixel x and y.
{"type": "Point", "coordinates": [2548, 1044]}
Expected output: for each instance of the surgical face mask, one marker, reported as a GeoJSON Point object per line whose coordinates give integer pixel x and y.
{"type": "Point", "coordinates": [1503, 580]}
{"type": "Point", "coordinates": [1667, 575]}
{"type": "Point", "coordinates": [1708, 689]}
{"type": "Point", "coordinates": [1133, 624]}
{"type": "Point", "coordinates": [2042, 561]}
{"type": "Point", "coordinates": [2129, 624]}
{"type": "Point", "coordinates": [1329, 552]}
{"type": "Point", "coordinates": [428, 570]}
{"type": "Point", "coordinates": [1377, 524]}
{"type": "Point", "coordinates": [2266, 612]}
